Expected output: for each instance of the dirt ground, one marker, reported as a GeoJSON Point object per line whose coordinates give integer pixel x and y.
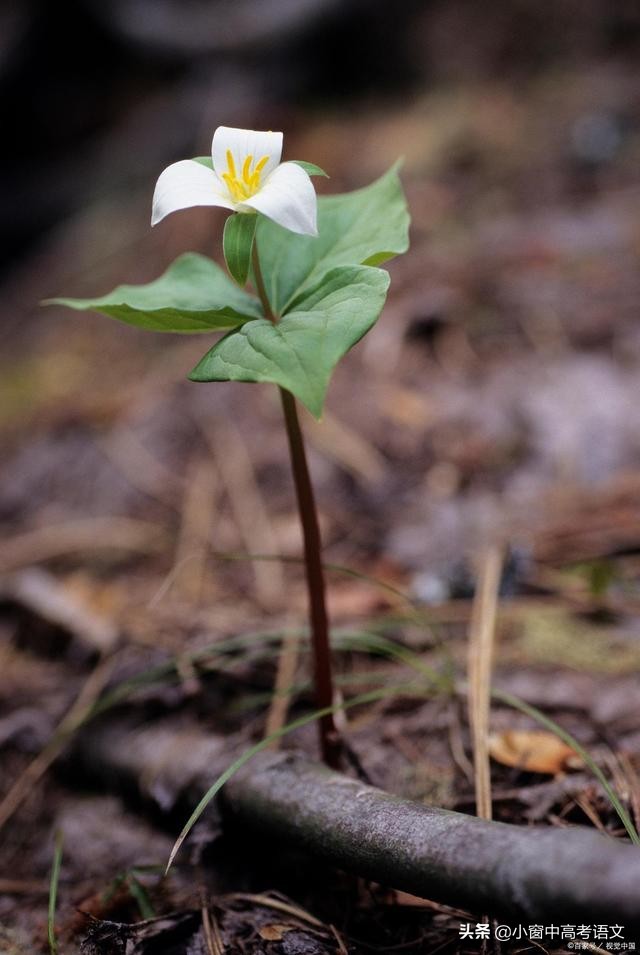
{"type": "Point", "coordinates": [495, 404]}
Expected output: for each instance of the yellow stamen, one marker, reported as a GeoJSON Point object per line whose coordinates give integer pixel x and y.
{"type": "Point", "coordinates": [245, 170]}
{"type": "Point", "coordinates": [249, 184]}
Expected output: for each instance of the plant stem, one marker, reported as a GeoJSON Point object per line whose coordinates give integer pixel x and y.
{"type": "Point", "coordinates": [321, 651]}
{"type": "Point", "coordinates": [329, 741]}
{"type": "Point", "coordinates": [260, 286]}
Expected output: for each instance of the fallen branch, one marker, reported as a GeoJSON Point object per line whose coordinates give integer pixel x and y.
{"type": "Point", "coordinates": [538, 874]}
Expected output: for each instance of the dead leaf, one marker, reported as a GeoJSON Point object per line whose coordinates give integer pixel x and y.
{"type": "Point", "coordinates": [275, 931]}
{"type": "Point", "coordinates": [535, 751]}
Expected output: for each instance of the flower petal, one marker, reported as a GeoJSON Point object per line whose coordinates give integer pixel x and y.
{"type": "Point", "coordinates": [242, 143]}
{"type": "Point", "coordinates": [185, 184]}
{"type": "Point", "coordinates": [287, 197]}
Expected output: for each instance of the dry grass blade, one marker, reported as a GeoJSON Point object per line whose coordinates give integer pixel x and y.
{"type": "Point", "coordinates": [86, 534]}
{"type": "Point", "coordinates": [235, 467]}
{"type": "Point", "coordinates": [399, 597]}
{"type": "Point", "coordinates": [78, 712]}
{"type": "Point", "coordinates": [22, 887]}
{"type": "Point", "coordinates": [456, 744]}
{"type": "Point", "coordinates": [632, 780]}
{"type": "Point", "coordinates": [194, 539]}
{"type": "Point", "coordinates": [212, 936]}
{"type": "Point", "coordinates": [141, 468]}
{"type": "Point", "coordinates": [347, 448]}
{"type": "Point", "coordinates": [481, 636]}
{"type": "Point", "coordinates": [589, 810]}
{"type": "Point", "coordinates": [287, 907]}
{"type": "Point", "coordinates": [342, 948]}
{"type": "Point", "coordinates": [285, 678]}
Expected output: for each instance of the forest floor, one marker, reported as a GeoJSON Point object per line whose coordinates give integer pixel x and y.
{"type": "Point", "coordinates": [494, 405]}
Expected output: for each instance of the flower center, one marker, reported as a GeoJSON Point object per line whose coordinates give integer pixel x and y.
{"type": "Point", "coordinates": [247, 184]}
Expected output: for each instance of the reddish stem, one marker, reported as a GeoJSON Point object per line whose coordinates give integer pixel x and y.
{"type": "Point", "coordinates": [322, 674]}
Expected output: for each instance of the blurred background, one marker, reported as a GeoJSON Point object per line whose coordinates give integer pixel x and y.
{"type": "Point", "coordinates": [505, 363]}
{"type": "Point", "coordinates": [497, 399]}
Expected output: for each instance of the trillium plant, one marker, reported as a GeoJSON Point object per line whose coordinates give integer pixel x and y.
{"type": "Point", "coordinates": [314, 267]}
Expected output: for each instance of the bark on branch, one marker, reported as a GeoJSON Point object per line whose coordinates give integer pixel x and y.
{"type": "Point", "coordinates": [538, 874]}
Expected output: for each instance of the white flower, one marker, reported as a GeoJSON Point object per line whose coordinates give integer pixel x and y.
{"type": "Point", "coordinates": [247, 176]}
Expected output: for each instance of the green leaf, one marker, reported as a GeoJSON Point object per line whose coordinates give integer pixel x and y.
{"type": "Point", "coordinates": [237, 242]}
{"type": "Point", "coordinates": [193, 295]}
{"type": "Point", "coordinates": [300, 352]}
{"type": "Point", "coordinates": [365, 227]}
{"type": "Point", "coordinates": [310, 168]}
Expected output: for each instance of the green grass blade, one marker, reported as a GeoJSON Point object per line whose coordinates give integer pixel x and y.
{"type": "Point", "coordinates": [570, 740]}
{"type": "Point", "coordinates": [159, 672]}
{"type": "Point", "coordinates": [369, 642]}
{"type": "Point", "coordinates": [53, 893]}
{"type": "Point", "coordinates": [141, 897]}
{"type": "Point", "coordinates": [335, 568]}
{"type": "Point", "coordinates": [248, 754]}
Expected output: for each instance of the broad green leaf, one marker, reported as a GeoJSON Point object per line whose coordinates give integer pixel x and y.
{"type": "Point", "coordinates": [310, 168]}
{"type": "Point", "coordinates": [300, 352]}
{"type": "Point", "coordinates": [365, 227]}
{"type": "Point", "coordinates": [193, 295]}
{"type": "Point", "coordinates": [237, 242]}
